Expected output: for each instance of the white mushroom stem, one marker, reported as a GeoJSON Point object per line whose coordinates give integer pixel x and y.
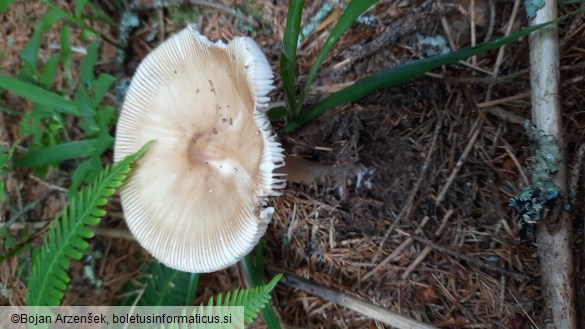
{"type": "Point", "coordinates": [302, 171]}
{"type": "Point", "coordinates": [553, 233]}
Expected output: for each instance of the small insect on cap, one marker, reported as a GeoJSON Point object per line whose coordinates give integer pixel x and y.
{"type": "Point", "coordinates": [197, 200]}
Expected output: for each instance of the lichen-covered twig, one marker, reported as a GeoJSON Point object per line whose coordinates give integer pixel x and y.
{"type": "Point", "coordinates": [542, 193]}
{"type": "Point", "coordinates": [553, 231]}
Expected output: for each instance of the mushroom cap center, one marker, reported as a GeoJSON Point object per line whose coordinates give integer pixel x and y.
{"type": "Point", "coordinates": [209, 138]}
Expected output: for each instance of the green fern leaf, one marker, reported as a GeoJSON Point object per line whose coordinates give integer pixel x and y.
{"type": "Point", "coordinates": [159, 285]}
{"type": "Point", "coordinates": [68, 234]}
{"type": "Point", "coordinates": [252, 299]}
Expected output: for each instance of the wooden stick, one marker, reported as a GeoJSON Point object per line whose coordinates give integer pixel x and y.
{"type": "Point", "coordinates": [503, 100]}
{"type": "Point", "coordinates": [476, 129]}
{"type": "Point", "coordinates": [553, 232]}
{"type": "Point", "coordinates": [102, 231]}
{"type": "Point", "coordinates": [405, 244]}
{"type": "Point", "coordinates": [375, 312]}
{"type": "Point", "coordinates": [427, 249]}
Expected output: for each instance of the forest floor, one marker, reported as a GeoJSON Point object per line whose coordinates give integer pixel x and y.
{"type": "Point", "coordinates": [439, 156]}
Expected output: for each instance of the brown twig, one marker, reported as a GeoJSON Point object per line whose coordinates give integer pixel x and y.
{"type": "Point", "coordinates": [427, 249]}
{"type": "Point", "coordinates": [414, 191]}
{"type": "Point", "coordinates": [503, 100]}
{"type": "Point", "coordinates": [502, 296]}
{"type": "Point", "coordinates": [405, 244]}
{"type": "Point", "coordinates": [406, 25]}
{"type": "Point", "coordinates": [509, 26]}
{"type": "Point", "coordinates": [505, 114]}
{"type": "Point", "coordinates": [470, 260]}
{"type": "Point", "coordinates": [517, 164]}
{"type": "Point", "coordinates": [476, 129]}
{"type": "Point", "coordinates": [102, 231]}
{"type": "Point", "coordinates": [576, 171]}
{"type": "Point", "coordinates": [523, 310]}
{"type": "Point", "coordinates": [492, 23]}
{"type": "Point", "coordinates": [375, 312]}
{"type": "Point", "coordinates": [47, 184]}
{"type": "Point", "coordinates": [499, 59]}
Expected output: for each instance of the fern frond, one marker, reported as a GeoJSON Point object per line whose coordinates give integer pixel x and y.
{"type": "Point", "coordinates": [253, 299]}
{"type": "Point", "coordinates": [159, 285]}
{"type": "Point", "coordinates": [68, 234]}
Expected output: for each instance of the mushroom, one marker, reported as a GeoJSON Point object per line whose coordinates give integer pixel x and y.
{"type": "Point", "coordinates": [198, 199]}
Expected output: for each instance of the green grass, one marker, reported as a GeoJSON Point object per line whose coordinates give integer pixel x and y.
{"type": "Point", "coordinates": [355, 9]}
{"type": "Point", "coordinates": [296, 112]}
{"type": "Point", "coordinates": [44, 127]}
{"type": "Point", "coordinates": [47, 133]}
{"type": "Point", "coordinates": [5, 157]}
{"type": "Point", "coordinates": [159, 285]}
{"type": "Point", "coordinates": [290, 45]}
{"type": "Point", "coordinates": [254, 270]}
{"type": "Point", "coordinates": [288, 54]}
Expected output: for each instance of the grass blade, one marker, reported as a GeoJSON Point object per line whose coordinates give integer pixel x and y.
{"type": "Point", "coordinates": [79, 22]}
{"type": "Point", "coordinates": [191, 288]}
{"type": "Point", "coordinates": [58, 153]}
{"type": "Point", "coordinates": [4, 4]}
{"type": "Point", "coordinates": [288, 54]}
{"type": "Point", "coordinates": [254, 270]}
{"type": "Point", "coordinates": [87, 65]}
{"type": "Point", "coordinates": [99, 14]}
{"type": "Point", "coordinates": [49, 71]}
{"type": "Point", "coordinates": [78, 176]}
{"type": "Point", "coordinates": [50, 19]}
{"type": "Point", "coordinates": [159, 285]}
{"type": "Point", "coordinates": [79, 7]}
{"type": "Point", "coordinates": [65, 14]}
{"type": "Point", "coordinates": [66, 52]}
{"type": "Point", "coordinates": [101, 87]}
{"type": "Point", "coordinates": [351, 13]}
{"type": "Point", "coordinates": [38, 95]}
{"type": "Point", "coordinates": [29, 55]}
{"type": "Point", "coordinates": [402, 73]}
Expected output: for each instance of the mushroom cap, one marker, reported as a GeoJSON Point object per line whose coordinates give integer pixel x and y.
{"type": "Point", "coordinates": [197, 200]}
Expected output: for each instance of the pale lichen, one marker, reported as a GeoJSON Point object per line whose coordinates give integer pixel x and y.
{"type": "Point", "coordinates": [433, 45]}
{"type": "Point", "coordinates": [532, 6]}
{"type": "Point", "coordinates": [543, 166]}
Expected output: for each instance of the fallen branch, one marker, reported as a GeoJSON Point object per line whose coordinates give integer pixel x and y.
{"type": "Point", "coordinates": [375, 312]}
{"type": "Point", "coordinates": [553, 231]}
